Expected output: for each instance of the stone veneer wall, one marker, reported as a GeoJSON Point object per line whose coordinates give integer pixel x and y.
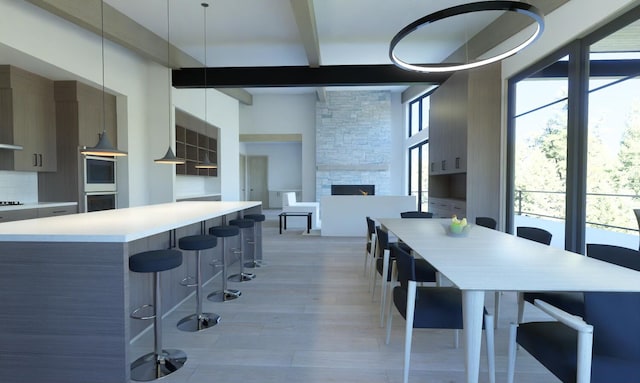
{"type": "Point", "coordinates": [353, 140]}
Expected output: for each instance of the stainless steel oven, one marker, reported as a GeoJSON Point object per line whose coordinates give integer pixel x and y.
{"type": "Point", "coordinates": [99, 174]}
{"type": "Point", "coordinates": [100, 201]}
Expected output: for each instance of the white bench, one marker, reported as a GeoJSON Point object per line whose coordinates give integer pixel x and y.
{"type": "Point", "coordinates": [290, 205]}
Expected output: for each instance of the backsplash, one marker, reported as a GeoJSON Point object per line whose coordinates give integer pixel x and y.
{"type": "Point", "coordinates": [19, 186]}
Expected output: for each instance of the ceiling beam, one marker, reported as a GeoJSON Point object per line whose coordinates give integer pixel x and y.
{"type": "Point", "coordinates": [306, 21]}
{"type": "Point", "coordinates": [296, 76]}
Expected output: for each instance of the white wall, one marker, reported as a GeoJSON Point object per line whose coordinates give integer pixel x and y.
{"type": "Point", "coordinates": [286, 114]}
{"type": "Point", "coordinates": [27, 34]}
{"type": "Point", "coordinates": [285, 167]}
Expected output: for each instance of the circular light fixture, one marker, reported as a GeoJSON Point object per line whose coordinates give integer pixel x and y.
{"type": "Point", "coordinates": [509, 6]}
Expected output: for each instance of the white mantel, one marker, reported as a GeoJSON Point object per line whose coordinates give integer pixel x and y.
{"type": "Point", "coordinates": [344, 215]}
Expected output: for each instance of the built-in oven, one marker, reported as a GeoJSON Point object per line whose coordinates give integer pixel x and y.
{"type": "Point", "coordinates": [99, 174]}
{"type": "Point", "coordinates": [100, 201]}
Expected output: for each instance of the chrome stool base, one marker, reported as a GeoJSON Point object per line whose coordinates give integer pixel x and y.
{"type": "Point", "coordinates": [195, 322]}
{"type": "Point", "coordinates": [229, 294]}
{"type": "Point", "coordinates": [253, 265]}
{"type": "Point", "coordinates": [151, 366]}
{"type": "Point", "coordinates": [242, 277]}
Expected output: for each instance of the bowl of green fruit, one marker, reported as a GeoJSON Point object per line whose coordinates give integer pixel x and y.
{"type": "Point", "coordinates": [457, 227]}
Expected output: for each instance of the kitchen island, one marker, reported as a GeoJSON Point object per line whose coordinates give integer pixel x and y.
{"type": "Point", "coordinates": [67, 292]}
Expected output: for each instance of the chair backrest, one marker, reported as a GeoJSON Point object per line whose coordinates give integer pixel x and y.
{"type": "Point", "coordinates": [382, 236]}
{"type": "Point", "coordinates": [615, 317]}
{"type": "Point", "coordinates": [534, 234]}
{"type": "Point", "coordinates": [416, 214]}
{"type": "Point", "coordinates": [288, 198]}
{"type": "Point", "coordinates": [405, 265]}
{"type": "Point", "coordinates": [487, 222]}
{"type": "Point", "coordinates": [637, 211]}
{"type": "Point", "coordinates": [371, 227]}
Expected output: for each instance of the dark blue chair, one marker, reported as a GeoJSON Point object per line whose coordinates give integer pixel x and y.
{"type": "Point", "coordinates": [571, 302]}
{"type": "Point", "coordinates": [416, 214]}
{"type": "Point", "coordinates": [429, 307]}
{"type": "Point", "coordinates": [424, 271]}
{"type": "Point", "coordinates": [371, 243]}
{"type": "Point", "coordinates": [487, 222]}
{"type": "Point", "coordinates": [603, 347]}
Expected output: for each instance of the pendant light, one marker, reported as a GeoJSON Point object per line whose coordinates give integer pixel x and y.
{"type": "Point", "coordinates": [103, 147]}
{"type": "Point", "coordinates": [169, 157]}
{"type": "Point", "coordinates": [205, 164]}
{"type": "Point", "coordinates": [507, 6]}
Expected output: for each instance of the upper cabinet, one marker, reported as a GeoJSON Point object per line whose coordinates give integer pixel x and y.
{"type": "Point", "coordinates": [81, 111]}
{"type": "Point", "coordinates": [448, 127]}
{"type": "Point", "coordinates": [464, 143]}
{"type": "Point", "coordinates": [27, 118]}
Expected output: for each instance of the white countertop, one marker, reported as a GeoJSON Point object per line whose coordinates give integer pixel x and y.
{"type": "Point", "coordinates": [36, 205]}
{"type": "Point", "coordinates": [120, 225]}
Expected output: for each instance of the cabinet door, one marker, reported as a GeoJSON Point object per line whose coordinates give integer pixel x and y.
{"type": "Point", "coordinates": [17, 215]}
{"type": "Point", "coordinates": [34, 123]}
{"type": "Point", "coordinates": [55, 211]}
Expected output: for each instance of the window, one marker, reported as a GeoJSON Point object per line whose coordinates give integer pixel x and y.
{"type": "Point", "coordinates": [576, 114]}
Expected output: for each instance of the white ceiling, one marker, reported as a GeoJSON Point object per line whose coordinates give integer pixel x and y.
{"type": "Point", "coordinates": [265, 32]}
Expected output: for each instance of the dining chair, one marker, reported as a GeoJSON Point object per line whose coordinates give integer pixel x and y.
{"type": "Point", "coordinates": [416, 214]}
{"type": "Point", "coordinates": [637, 212]}
{"type": "Point", "coordinates": [487, 222]}
{"type": "Point", "coordinates": [429, 307]}
{"type": "Point", "coordinates": [571, 302]}
{"type": "Point", "coordinates": [601, 347]}
{"type": "Point", "coordinates": [425, 273]}
{"type": "Point", "coordinates": [371, 243]}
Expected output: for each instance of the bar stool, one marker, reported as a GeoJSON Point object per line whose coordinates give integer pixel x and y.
{"type": "Point", "coordinates": [225, 294]}
{"type": "Point", "coordinates": [257, 228]}
{"type": "Point", "coordinates": [242, 224]}
{"type": "Point", "coordinates": [160, 362]}
{"type": "Point", "coordinates": [199, 320]}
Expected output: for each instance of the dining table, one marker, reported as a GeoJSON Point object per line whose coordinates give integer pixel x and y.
{"type": "Point", "coordinates": [481, 259]}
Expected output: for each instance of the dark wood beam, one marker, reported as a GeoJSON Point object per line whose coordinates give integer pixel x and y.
{"type": "Point", "coordinates": [293, 76]}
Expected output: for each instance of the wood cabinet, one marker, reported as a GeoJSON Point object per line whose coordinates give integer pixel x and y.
{"type": "Point", "coordinates": [36, 212]}
{"type": "Point", "coordinates": [448, 127]}
{"type": "Point", "coordinates": [464, 144]}
{"type": "Point", "coordinates": [195, 141]}
{"type": "Point", "coordinates": [79, 119]}
{"type": "Point", "coordinates": [56, 211]}
{"type": "Point", "coordinates": [27, 111]}
{"type": "Point", "coordinates": [17, 215]}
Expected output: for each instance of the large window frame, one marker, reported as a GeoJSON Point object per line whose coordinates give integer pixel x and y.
{"type": "Point", "coordinates": [578, 75]}
{"type": "Point", "coordinates": [418, 140]}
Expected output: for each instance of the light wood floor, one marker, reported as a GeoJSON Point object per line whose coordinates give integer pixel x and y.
{"type": "Point", "coordinates": [308, 317]}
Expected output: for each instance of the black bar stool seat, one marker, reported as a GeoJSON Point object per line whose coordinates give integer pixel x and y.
{"type": "Point", "coordinates": [225, 294]}
{"type": "Point", "coordinates": [160, 362]}
{"type": "Point", "coordinates": [242, 224]}
{"type": "Point", "coordinates": [257, 255]}
{"type": "Point", "coordinates": [199, 320]}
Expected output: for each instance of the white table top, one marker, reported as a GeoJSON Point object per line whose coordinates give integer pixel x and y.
{"type": "Point", "coordinates": [492, 260]}
{"type": "Point", "coordinates": [120, 225]}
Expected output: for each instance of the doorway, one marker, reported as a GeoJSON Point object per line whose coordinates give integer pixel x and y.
{"type": "Point", "coordinates": [257, 179]}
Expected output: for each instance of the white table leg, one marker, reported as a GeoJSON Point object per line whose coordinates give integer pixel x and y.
{"type": "Point", "coordinates": [472, 313]}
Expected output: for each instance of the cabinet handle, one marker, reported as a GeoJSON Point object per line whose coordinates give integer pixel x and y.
{"type": "Point", "coordinates": [457, 162]}
{"type": "Point", "coordinates": [35, 159]}
{"type": "Point", "coordinates": [58, 211]}
{"type": "Point", "coordinates": [40, 156]}
{"type": "Point", "coordinates": [444, 165]}
{"type": "Point", "coordinates": [433, 166]}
